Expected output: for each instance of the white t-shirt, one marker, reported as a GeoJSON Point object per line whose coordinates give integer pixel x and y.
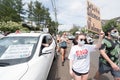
{"type": "Point", "coordinates": [81, 57]}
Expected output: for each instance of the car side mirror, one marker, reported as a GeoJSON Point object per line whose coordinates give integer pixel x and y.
{"type": "Point", "coordinates": [46, 50]}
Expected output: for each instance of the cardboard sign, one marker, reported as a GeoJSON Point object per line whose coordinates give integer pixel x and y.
{"type": "Point", "coordinates": [93, 18]}
{"type": "Point", "coordinates": [17, 51]}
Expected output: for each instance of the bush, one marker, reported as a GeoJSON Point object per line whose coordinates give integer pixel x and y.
{"type": "Point", "coordinates": [11, 27]}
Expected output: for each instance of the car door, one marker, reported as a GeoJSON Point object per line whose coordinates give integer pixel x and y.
{"type": "Point", "coordinates": [48, 55]}
{"type": "Point", "coordinates": [41, 63]}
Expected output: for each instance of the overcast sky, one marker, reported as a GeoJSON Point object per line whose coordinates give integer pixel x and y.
{"type": "Point", "coordinates": [74, 11]}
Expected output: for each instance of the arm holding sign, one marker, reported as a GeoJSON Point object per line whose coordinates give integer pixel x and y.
{"type": "Point", "coordinates": [99, 42]}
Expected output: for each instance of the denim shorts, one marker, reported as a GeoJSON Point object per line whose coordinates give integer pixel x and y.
{"type": "Point", "coordinates": [103, 68]}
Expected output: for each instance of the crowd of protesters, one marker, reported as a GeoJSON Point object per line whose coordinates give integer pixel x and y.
{"type": "Point", "coordinates": [79, 56]}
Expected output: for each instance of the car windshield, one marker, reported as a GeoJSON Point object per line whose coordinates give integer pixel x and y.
{"type": "Point", "coordinates": [12, 48]}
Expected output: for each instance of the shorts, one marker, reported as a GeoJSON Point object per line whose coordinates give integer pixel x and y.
{"type": "Point", "coordinates": [79, 74]}
{"type": "Point", "coordinates": [63, 47]}
{"type": "Point", "coordinates": [106, 68]}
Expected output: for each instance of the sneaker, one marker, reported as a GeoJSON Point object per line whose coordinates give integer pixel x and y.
{"type": "Point", "coordinates": [62, 63]}
{"type": "Point", "coordinates": [64, 59]}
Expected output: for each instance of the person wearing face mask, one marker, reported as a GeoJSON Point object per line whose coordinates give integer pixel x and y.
{"type": "Point", "coordinates": [109, 55]}
{"type": "Point", "coordinates": [79, 57]}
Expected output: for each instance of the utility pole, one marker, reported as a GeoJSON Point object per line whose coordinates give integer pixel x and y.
{"type": "Point", "coordinates": [55, 13]}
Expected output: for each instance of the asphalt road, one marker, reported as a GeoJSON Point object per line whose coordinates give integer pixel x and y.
{"type": "Point", "coordinates": [59, 72]}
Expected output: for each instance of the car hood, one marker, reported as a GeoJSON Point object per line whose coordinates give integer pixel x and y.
{"type": "Point", "coordinates": [13, 72]}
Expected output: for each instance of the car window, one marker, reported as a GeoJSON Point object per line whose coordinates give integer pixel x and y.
{"type": "Point", "coordinates": [17, 47]}
{"type": "Point", "coordinates": [44, 41]}
{"type": "Point", "coordinates": [49, 39]}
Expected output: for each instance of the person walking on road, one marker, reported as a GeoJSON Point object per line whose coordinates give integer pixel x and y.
{"type": "Point", "coordinates": [79, 57]}
{"type": "Point", "coordinates": [109, 55]}
{"type": "Point", "coordinates": [63, 46]}
{"type": "Point", "coordinates": [58, 41]}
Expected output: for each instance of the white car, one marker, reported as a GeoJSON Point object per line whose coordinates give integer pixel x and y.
{"type": "Point", "coordinates": [71, 37]}
{"type": "Point", "coordinates": [23, 57]}
{"type": "Point", "coordinates": [1, 35]}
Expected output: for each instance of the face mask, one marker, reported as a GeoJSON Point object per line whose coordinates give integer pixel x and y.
{"type": "Point", "coordinates": [115, 34]}
{"type": "Point", "coordinates": [81, 42]}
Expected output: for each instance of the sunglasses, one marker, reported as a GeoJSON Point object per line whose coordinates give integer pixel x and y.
{"type": "Point", "coordinates": [82, 39]}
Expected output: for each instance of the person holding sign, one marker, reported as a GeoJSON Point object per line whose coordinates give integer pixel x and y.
{"type": "Point", "coordinates": [109, 55]}
{"type": "Point", "coordinates": [79, 57]}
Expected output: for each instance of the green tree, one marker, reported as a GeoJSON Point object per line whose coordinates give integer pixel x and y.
{"type": "Point", "coordinates": [74, 29]}
{"type": "Point", "coordinates": [11, 26]}
{"type": "Point", "coordinates": [30, 11]}
{"type": "Point", "coordinates": [11, 10]}
{"type": "Point", "coordinates": [84, 30]}
{"type": "Point", "coordinates": [111, 23]}
{"type": "Point", "coordinates": [118, 28]}
{"type": "Point", "coordinates": [53, 27]}
{"type": "Point", "coordinates": [19, 9]}
{"type": "Point", "coordinates": [40, 15]}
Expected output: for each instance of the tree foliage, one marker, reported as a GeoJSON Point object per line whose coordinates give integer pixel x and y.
{"type": "Point", "coordinates": [74, 29]}
{"type": "Point", "coordinates": [111, 23]}
{"type": "Point", "coordinates": [38, 13]}
{"type": "Point", "coordinates": [118, 28]}
{"type": "Point", "coordinates": [11, 26]}
{"type": "Point", "coordinates": [41, 16]}
{"type": "Point", "coordinates": [11, 10]}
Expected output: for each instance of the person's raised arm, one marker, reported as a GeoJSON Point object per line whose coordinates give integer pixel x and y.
{"type": "Point", "coordinates": [99, 42]}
